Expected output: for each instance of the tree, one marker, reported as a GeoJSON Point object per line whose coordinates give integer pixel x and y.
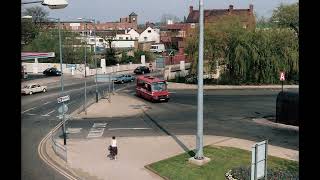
{"type": "Point", "coordinates": [166, 17]}
{"type": "Point", "coordinates": [110, 54]}
{"type": "Point", "coordinates": [38, 14]}
{"type": "Point", "coordinates": [28, 31]}
{"type": "Point", "coordinates": [287, 16]}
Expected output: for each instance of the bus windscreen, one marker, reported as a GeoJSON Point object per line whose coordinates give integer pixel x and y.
{"type": "Point", "coordinates": [159, 86]}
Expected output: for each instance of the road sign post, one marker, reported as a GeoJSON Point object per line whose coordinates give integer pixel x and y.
{"type": "Point", "coordinates": [259, 160]}
{"type": "Point", "coordinates": [282, 78]}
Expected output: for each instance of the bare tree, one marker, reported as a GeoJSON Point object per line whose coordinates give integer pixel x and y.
{"type": "Point", "coordinates": [38, 14]}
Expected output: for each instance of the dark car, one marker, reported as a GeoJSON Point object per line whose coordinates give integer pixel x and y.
{"type": "Point", "coordinates": [142, 70]}
{"type": "Point", "coordinates": [52, 72]}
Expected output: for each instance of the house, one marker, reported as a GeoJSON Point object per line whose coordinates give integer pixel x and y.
{"type": "Point", "coordinates": [246, 16]}
{"type": "Point", "coordinates": [148, 35]}
{"type": "Point", "coordinates": [134, 34]}
{"type": "Point", "coordinates": [173, 35]}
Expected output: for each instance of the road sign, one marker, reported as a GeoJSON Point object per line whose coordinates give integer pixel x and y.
{"type": "Point", "coordinates": [282, 76]}
{"type": "Point", "coordinates": [65, 108]}
{"type": "Point", "coordinates": [259, 160]}
{"type": "Point", "coordinates": [63, 99]}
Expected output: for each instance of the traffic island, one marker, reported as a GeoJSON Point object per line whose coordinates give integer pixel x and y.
{"type": "Point", "coordinates": [223, 159]}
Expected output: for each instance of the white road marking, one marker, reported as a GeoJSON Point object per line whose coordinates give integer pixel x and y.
{"type": "Point", "coordinates": [30, 114]}
{"type": "Point", "coordinates": [111, 129]}
{"type": "Point", "coordinates": [99, 125]}
{"type": "Point", "coordinates": [73, 130]}
{"type": "Point", "coordinates": [46, 103]}
{"type": "Point", "coordinates": [48, 113]}
{"type": "Point", "coordinates": [96, 130]}
{"type": "Point", "coordinates": [28, 109]}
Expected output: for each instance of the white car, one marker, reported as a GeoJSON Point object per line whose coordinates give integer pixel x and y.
{"type": "Point", "coordinates": [33, 88]}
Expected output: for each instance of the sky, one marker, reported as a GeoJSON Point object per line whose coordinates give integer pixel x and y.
{"type": "Point", "coordinates": [151, 10]}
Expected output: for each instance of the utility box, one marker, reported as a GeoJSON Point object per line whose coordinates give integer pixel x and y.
{"type": "Point", "coordinates": [287, 108]}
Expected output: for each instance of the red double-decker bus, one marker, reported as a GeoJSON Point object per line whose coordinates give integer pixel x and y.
{"type": "Point", "coordinates": [152, 88]}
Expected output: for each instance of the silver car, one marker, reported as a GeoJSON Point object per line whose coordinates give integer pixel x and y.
{"type": "Point", "coordinates": [33, 88]}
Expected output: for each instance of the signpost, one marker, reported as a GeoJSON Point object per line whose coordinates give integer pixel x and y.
{"type": "Point", "coordinates": [259, 160]}
{"type": "Point", "coordinates": [282, 78]}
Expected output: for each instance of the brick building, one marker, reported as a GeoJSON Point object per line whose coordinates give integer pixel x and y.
{"type": "Point", "coordinates": [246, 16]}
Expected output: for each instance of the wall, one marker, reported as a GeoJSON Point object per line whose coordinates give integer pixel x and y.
{"type": "Point", "coordinates": [123, 44]}
{"type": "Point", "coordinates": [79, 68]}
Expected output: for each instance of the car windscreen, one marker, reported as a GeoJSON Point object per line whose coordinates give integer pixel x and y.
{"type": "Point", "coordinates": [26, 86]}
{"type": "Point", "coordinates": [159, 86]}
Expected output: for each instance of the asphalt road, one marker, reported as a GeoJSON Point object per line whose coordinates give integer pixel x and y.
{"type": "Point", "coordinates": [226, 113]}
{"type": "Point", "coordinates": [38, 116]}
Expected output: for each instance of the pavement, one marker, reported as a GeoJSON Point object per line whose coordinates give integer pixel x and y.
{"type": "Point", "coordinates": [88, 157]}
{"type": "Point", "coordinates": [172, 85]}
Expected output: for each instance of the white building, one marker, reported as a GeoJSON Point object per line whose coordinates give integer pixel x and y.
{"type": "Point", "coordinates": [123, 37]}
{"type": "Point", "coordinates": [149, 35]}
{"type": "Point", "coordinates": [134, 34]}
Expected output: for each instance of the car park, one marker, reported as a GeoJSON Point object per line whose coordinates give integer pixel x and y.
{"type": "Point", "coordinates": [33, 88]}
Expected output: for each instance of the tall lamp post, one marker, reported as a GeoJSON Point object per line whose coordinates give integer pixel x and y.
{"type": "Point", "coordinates": [199, 159]}
{"type": "Point", "coordinates": [85, 67]}
{"type": "Point", "coordinates": [95, 49]}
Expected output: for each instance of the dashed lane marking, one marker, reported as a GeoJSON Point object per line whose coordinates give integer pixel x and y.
{"type": "Point", "coordinates": [28, 109]}
{"type": "Point", "coordinates": [46, 103]}
{"type": "Point", "coordinates": [30, 114]}
{"type": "Point", "coordinates": [49, 113]}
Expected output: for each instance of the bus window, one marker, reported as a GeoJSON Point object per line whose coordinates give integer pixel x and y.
{"type": "Point", "coordinates": [148, 87]}
{"type": "Point", "coordinates": [159, 86]}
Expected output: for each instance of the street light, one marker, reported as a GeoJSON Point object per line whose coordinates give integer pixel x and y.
{"type": "Point", "coordinates": [85, 68]}
{"type": "Point", "coordinates": [95, 55]}
{"type": "Point", "coordinates": [61, 79]}
{"type": "Point", "coordinates": [52, 4]}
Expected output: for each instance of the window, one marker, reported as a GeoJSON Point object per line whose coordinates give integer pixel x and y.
{"type": "Point", "coordinates": [33, 86]}
{"type": "Point", "coordinates": [127, 38]}
{"type": "Point", "coordinates": [145, 38]}
{"type": "Point", "coordinates": [100, 40]}
{"type": "Point", "coordinates": [159, 86]}
{"type": "Point", "coordinates": [148, 87]}
{"type": "Point", "coordinates": [149, 31]}
{"type": "Point", "coordinates": [120, 38]}
{"type": "Point", "coordinates": [140, 83]}
{"type": "Point", "coordinates": [38, 85]}
{"type": "Point", "coordinates": [136, 38]}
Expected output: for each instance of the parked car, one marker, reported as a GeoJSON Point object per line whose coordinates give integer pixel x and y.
{"type": "Point", "coordinates": [33, 88]}
{"type": "Point", "coordinates": [157, 48]}
{"type": "Point", "coordinates": [124, 78]}
{"type": "Point", "coordinates": [52, 72]}
{"type": "Point", "coordinates": [141, 70]}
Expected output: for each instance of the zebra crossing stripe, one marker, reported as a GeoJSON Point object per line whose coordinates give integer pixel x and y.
{"type": "Point", "coordinates": [97, 130]}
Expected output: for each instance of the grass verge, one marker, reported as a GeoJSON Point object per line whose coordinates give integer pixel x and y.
{"type": "Point", "coordinates": [222, 160]}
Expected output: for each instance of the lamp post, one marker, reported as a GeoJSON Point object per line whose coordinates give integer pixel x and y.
{"type": "Point", "coordinates": [95, 55]}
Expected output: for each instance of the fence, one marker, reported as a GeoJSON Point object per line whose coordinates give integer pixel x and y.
{"type": "Point", "coordinates": [59, 149]}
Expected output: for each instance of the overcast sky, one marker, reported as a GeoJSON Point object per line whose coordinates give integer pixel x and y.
{"type": "Point", "coordinates": [151, 10]}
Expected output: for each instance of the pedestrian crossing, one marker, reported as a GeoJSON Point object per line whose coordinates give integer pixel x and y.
{"type": "Point", "coordinates": [97, 130]}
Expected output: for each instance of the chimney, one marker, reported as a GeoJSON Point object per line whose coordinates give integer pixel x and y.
{"type": "Point", "coordinates": [230, 7]}
{"type": "Point", "coordinates": [190, 9]}
{"type": "Point", "coordinates": [251, 8]}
